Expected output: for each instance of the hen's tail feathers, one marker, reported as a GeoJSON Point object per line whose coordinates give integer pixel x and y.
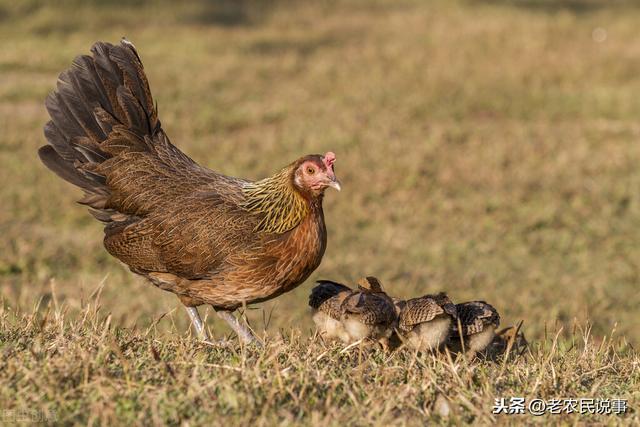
{"type": "Point", "coordinates": [101, 107]}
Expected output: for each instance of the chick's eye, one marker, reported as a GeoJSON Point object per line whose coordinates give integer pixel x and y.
{"type": "Point", "coordinates": [310, 170]}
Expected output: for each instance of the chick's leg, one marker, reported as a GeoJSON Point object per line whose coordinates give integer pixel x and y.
{"type": "Point", "coordinates": [244, 333]}
{"type": "Point", "coordinates": [197, 322]}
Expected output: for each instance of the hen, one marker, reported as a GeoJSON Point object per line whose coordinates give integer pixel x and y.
{"type": "Point", "coordinates": [208, 238]}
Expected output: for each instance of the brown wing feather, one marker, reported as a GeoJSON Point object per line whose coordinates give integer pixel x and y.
{"type": "Point", "coordinates": [424, 309]}
{"type": "Point", "coordinates": [418, 310]}
{"type": "Point", "coordinates": [369, 308]}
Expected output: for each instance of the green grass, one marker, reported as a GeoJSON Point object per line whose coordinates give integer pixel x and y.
{"type": "Point", "coordinates": [486, 148]}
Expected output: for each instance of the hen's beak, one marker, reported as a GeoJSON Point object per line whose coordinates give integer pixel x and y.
{"type": "Point", "coordinates": [334, 183]}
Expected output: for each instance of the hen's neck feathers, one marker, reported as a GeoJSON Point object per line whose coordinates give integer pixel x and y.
{"type": "Point", "coordinates": [283, 206]}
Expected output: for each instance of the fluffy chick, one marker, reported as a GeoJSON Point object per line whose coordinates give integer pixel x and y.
{"type": "Point", "coordinates": [368, 312]}
{"type": "Point", "coordinates": [353, 315]}
{"type": "Point", "coordinates": [326, 300]}
{"type": "Point", "coordinates": [478, 322]}
{"type": "Point", "coordinates": [424, 323]}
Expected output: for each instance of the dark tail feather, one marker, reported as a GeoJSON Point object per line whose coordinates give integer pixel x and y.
{"type": "Point", "coordinates": [136, 81]}
{"type": "Point", "coordinates": [59, 143]}
{"type": "Point", "coordinates": [97, 103]}
{"type": "Point", "coordinates": [67, 171]}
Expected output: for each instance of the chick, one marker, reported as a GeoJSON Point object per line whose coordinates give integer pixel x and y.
{"type": "Point", "coordinates": [424, 323]}
{"type": "Point", "coordinates": [478, 321]}
{"type": "Point", "coordinates": [369, 313]}
{"type": "Point", "coordinates": [326, 300]}
{"type": "Point", "coordinates": [511, 338]}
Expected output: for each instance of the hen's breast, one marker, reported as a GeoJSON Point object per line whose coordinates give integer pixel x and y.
{"type": "Point", "coordinates": [279, 264]}
{"type": "Point", "coordinates": [301, 252]}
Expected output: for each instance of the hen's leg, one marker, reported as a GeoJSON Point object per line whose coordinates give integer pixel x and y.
{"type": "Point", "coordinates": [197, 322]}
{"type": "Point", "coordinates": [244, 333]}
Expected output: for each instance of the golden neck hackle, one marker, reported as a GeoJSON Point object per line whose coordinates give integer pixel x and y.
{"type": "Point", "coordinates": [275, 197]}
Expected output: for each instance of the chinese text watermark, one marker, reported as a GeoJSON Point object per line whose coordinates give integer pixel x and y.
{"type": "Point", "coordinates": [537, 407]}
{"type": "Point", "coordinates": [26, 416]}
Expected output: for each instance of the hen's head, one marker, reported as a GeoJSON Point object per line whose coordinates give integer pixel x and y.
{"type": "Point", "coordinates": [314, 173]}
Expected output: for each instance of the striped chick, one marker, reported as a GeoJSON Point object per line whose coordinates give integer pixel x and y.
{"type": "Point", "coordinates": [424, 323]}
{"type": "Point", "coordinates": [325, 301]}
{"type": "Point", "coordinates": [478, 321]}
{"type": "Point", "coordinates": [369, 313]}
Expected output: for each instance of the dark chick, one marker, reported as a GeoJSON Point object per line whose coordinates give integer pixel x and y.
{"type": "Point", "coordinates": [208, 238]}
{"type": "Point", "coordinates": [478, 321]}
{"type": "Point", "coordinates": [425, 323]}
{"type": "Point", "coordinates": [326, 302]}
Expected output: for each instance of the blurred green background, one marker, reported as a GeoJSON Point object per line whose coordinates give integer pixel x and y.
{"type": "Point", "coordinates": [486, 148]}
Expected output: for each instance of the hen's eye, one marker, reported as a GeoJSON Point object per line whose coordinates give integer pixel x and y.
{"type": "Point", "coordinates": [310, 170]}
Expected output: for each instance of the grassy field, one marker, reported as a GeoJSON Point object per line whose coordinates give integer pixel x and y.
{"type": "Point", "coordinates": [486, 148]}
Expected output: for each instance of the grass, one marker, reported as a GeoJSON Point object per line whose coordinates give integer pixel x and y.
{"type": "Point", "coordinates": [91, 371]}
{"type": "Point", "coordinates": [486, 148]}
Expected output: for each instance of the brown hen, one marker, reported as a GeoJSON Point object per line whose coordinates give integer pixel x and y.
{"type": "Point", "coordinates": [208, 238]}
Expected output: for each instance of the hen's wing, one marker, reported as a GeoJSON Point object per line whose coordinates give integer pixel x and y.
{"type": "Point", "coordinates": [474, 316]}
{"type": "Point", "coordinates": [105, 137]}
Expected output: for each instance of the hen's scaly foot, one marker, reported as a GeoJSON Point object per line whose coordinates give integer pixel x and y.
{"type": "Point", "coordinates": [244, 333]}
{"type": "Point", "coordinates": [198, 324]}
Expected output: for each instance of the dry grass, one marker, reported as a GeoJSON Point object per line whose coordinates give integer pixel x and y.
{"type": "Point", "coordinates": [88, 370]}
{"type": "Point", "coordinates": [486, 148]}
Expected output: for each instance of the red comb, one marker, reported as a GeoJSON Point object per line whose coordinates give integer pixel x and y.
{"type": "Point", "coordinates": [329, 158]}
